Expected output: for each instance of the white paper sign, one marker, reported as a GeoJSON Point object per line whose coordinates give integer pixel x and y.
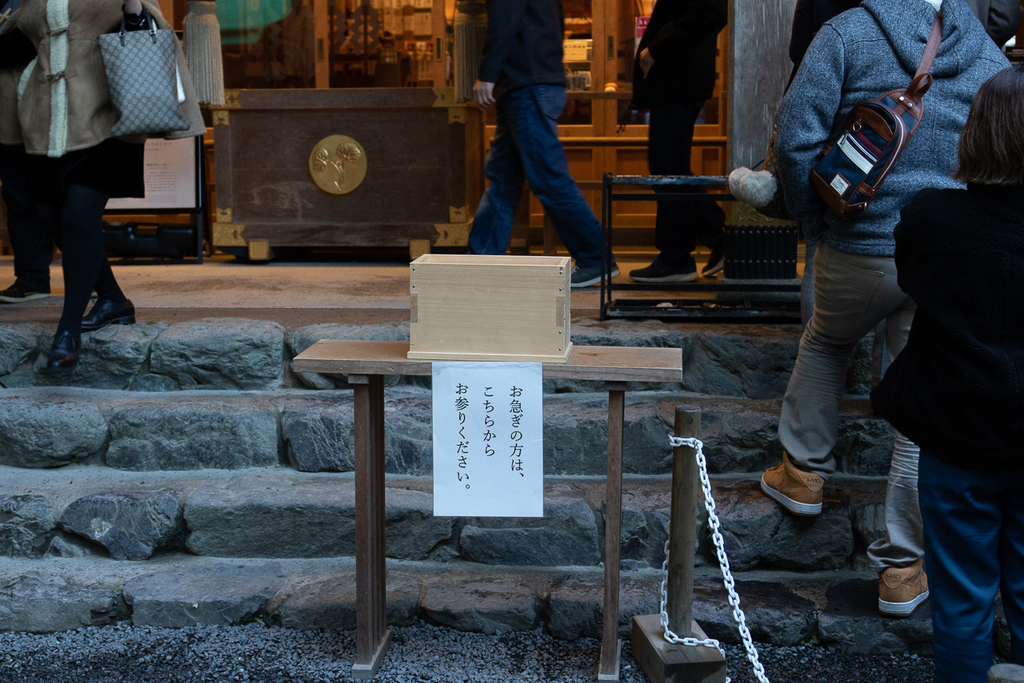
{"type": "Point", "coordinates": [488, 440]}
{"type": "Point", "coordinates": [170, 177]}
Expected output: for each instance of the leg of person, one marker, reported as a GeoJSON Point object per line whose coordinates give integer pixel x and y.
{"type": "Point", "coordinates": [962, 516]}
{"type": "Point", "coordinates": [533, 121]}
{"type": "Point", "coordinates": [678, 223]}
{"type": "Point", "coordinates": [807, 284]}
{"type": "Point", "coordinates": [492, 224]}
{"type": "Point", "coordinates": [852, 293]}
{"type": "Point", "coordinates": [1011, 563]}
{"type": "Point", "coordinates": [81, 224]}
{"type": "Point", "coordinates": [32, 247]}
{"type": "Point", "coordinates": [902, 582]}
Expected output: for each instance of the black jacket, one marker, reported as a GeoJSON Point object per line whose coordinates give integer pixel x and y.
{"type": "Point", "coordinates": [682, 36]}
{"type": "Point", "coordinates": [524, 44]}
{"type": "Point", "coordinates": [957, 389]}
{"type": "Point", "coordinates": [807, 19]}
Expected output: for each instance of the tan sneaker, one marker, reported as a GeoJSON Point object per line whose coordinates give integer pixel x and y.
{"type": "Point", "coordinates": [902, 589]}
{"type": "Point", "coordinates": [796, 490]}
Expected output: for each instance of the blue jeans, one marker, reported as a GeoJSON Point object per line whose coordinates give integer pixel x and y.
{"type": "Point", "coordinates": [974, 546]}
{"type": "Point", "coordinates": [526, 148]}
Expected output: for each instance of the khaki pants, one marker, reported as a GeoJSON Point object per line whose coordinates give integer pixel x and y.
{"type": "Point", "coordinates": [852, 294]}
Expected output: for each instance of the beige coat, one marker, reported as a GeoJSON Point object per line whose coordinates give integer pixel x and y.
{"type": "Point", "coordinates": [64, 102]}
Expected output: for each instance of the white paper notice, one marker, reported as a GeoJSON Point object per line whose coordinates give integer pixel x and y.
{"type": "Point", "coordinates": [488, 440]}
{"type": "Point", "coordinates": [170, 177]}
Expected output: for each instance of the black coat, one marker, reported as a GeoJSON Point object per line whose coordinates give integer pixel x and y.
{"type": "Point", "coordinates": [957, 389]}
{"type": "Point", "coordinates": [682, 36]}
{"type": "Point", "coordinates": [524, 44]}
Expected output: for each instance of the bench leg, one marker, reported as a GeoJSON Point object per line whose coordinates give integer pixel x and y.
{"type": "Point", "coordinates": [372, 634]}
{"type": "Point", "coordinates": [610, 643]}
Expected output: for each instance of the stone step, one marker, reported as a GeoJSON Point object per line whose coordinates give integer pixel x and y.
{"type": "Point", "coordinates": [311, 431]}
{"type": "Point", "coordinates": [836, 608]}
{"type": "Point", "coordinates": [82, 511]}
{"type": "Point", "coordinates": [752, 361]}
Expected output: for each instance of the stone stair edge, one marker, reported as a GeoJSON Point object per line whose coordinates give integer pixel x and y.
{"type": "Point", "coordinates": [239, 353]}
{"type": "Point", "coordinates": [183, 591]}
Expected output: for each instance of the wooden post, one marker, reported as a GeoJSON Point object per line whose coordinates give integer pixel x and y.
{"type": "Point", "coordinates": [683, 523]}
{"type": "Point", "coordinates": [1006, 673]}
{"type": "Point", "coordinates": [662, 661]}
{"type": "Point", "coordinates": [611, 645]}
{"type": "Point", "coordinates": [372, 634]}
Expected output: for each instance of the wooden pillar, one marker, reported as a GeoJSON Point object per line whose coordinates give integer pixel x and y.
{"type": "Point", "coordinates": [611, 646]}
{"type": "Point", "coordinates": [759, 69]}
{"type": "Point", "coordinates": [372, 634]}
{"type": "Point", "coordinates": [685, 484]}
{"type": "Point", "coordinates": [662, 661]}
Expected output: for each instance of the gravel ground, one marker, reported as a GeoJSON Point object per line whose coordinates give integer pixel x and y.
{"type": "Point", "coordinates": [258, 654]}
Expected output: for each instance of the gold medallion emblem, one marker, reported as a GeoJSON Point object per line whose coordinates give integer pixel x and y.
{"type": "Point", "coordinates": [337, 164]}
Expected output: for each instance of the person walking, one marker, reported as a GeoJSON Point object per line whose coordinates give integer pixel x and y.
{"type": "Point", "coordinates": [30, 243]}
{"type": "Point", "coordinates": [862, 54]}
{"type": "Point", "coordinates": [66, 114]}
{"type": "Point", "coordinates": [957, 389]}
{"type": "Point", "coordinates": [673, 75]}
{"type": "Point", "coordinates": [523, 76]}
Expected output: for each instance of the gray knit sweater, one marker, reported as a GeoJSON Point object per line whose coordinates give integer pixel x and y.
{"type": "Point", "coordinates": [860, 55]}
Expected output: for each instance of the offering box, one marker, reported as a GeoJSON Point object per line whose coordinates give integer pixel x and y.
{"type": "Point", "coordinates": [502, 308]}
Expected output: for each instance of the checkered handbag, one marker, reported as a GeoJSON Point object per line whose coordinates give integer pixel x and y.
{"type": "Point", "coordinates": [142, 72]}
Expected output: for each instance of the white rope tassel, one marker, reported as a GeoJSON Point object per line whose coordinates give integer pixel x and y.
{"type": "Point", "coordinates": [470, 36]}
{"type": "Point", "coordinates": [723, 562]}
{"type": "Point", "coordinates": [202, 51]}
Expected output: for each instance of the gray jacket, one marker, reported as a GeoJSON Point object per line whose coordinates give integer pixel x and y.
{"type": "Point", "coordinates": [860, 55]}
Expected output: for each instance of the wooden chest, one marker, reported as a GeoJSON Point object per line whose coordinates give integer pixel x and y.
{"type": "Point", "coordinates": [507, 308]}
{"type": "Point", "coordinates": [373, 167]}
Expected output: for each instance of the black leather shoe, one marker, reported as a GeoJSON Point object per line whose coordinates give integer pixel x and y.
{"type": "Point", "coordinates": [106, 312]}
{"type": "Point", "coordinates": [64, 354]}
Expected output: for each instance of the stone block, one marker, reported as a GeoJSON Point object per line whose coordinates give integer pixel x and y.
{"type": "Point", "coordinates": [190, 433]}
{"type": "Point", "coordinates": [645, 522]}
{"type": "Point", "coordinates": [224, 596]}
{"type": "Point", "coordinates": [111, 358]}
{"type": "Point", "coordinates": [497, 605]}
{"type": "Point", "coordinates": [566, 535]}
{"type": "Point", "coordinates": [318, 434]}
{"type": "Point", "coordinates": [27, 525]}
{"type": "Point", "coordinates": [758, 533]}
{"type": "Point", "coordinates": [304, 337]}
{"type": "Point", "coordinates": [576, 605]}
{"type": "Point", "coordinates": [576, 438]}
{"type": "Point", "coordinates": [774, 612]}
{"type": "Point", "coordinates": [850, 623]}
{"type": "Point", "coordinates": [18, 344]}
{"type": "Point", "coordinates": [131, 526]}
{"type": "Point", "coordinates": [755, 362]}
{"type": "Point", "coordinates": [49, 431]}
{"type": "Point", "coordinates": [47, 605]}
{"type": "Point", "coordinates": [329, 602]}
{"type": "Point", "coordinates": [221, 353]}
{"type": "Point", "coordinates": [305, 517]}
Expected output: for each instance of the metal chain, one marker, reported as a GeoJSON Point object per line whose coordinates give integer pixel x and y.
{"type": "Point", "coordinates": [723, 562]}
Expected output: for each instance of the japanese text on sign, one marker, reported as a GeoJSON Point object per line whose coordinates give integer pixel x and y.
{"type": "Point", "coordinates": [488, 440]}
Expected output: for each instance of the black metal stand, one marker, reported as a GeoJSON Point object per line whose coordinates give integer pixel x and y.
{"type": "Point", "coordinates": [745, 303]}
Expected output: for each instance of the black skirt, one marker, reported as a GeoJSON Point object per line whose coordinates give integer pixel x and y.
{"type": "Point", "coordinates": [113, 167]}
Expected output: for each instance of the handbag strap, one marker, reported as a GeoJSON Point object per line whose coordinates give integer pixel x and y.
{"type": "Point", "coordinates": [147, 19]}
{"type": "Point", "coordinates": [923, 78]}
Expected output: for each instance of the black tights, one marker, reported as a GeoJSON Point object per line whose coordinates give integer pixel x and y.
{"type": "Point", "coordinates": [76, 225]}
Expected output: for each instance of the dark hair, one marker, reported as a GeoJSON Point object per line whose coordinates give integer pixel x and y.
{"type": "Point", "coordinates": [992, 142]}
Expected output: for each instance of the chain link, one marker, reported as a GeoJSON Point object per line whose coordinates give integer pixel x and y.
{"type": "Point", "coordinates": [723, 562]}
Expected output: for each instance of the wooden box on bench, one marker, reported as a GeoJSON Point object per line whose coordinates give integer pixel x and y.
{"type": "Point", "coordinates": [504, 308]}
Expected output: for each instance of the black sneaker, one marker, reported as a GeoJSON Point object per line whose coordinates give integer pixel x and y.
{"type": "Point", "coordinates": [17, 293]}
{"type": "Point", "coordinates": [716, 261]}
{"type": "Point", "coordinates": [591, 275]}
{"type": "Point", "coordinates": [659, 272]}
